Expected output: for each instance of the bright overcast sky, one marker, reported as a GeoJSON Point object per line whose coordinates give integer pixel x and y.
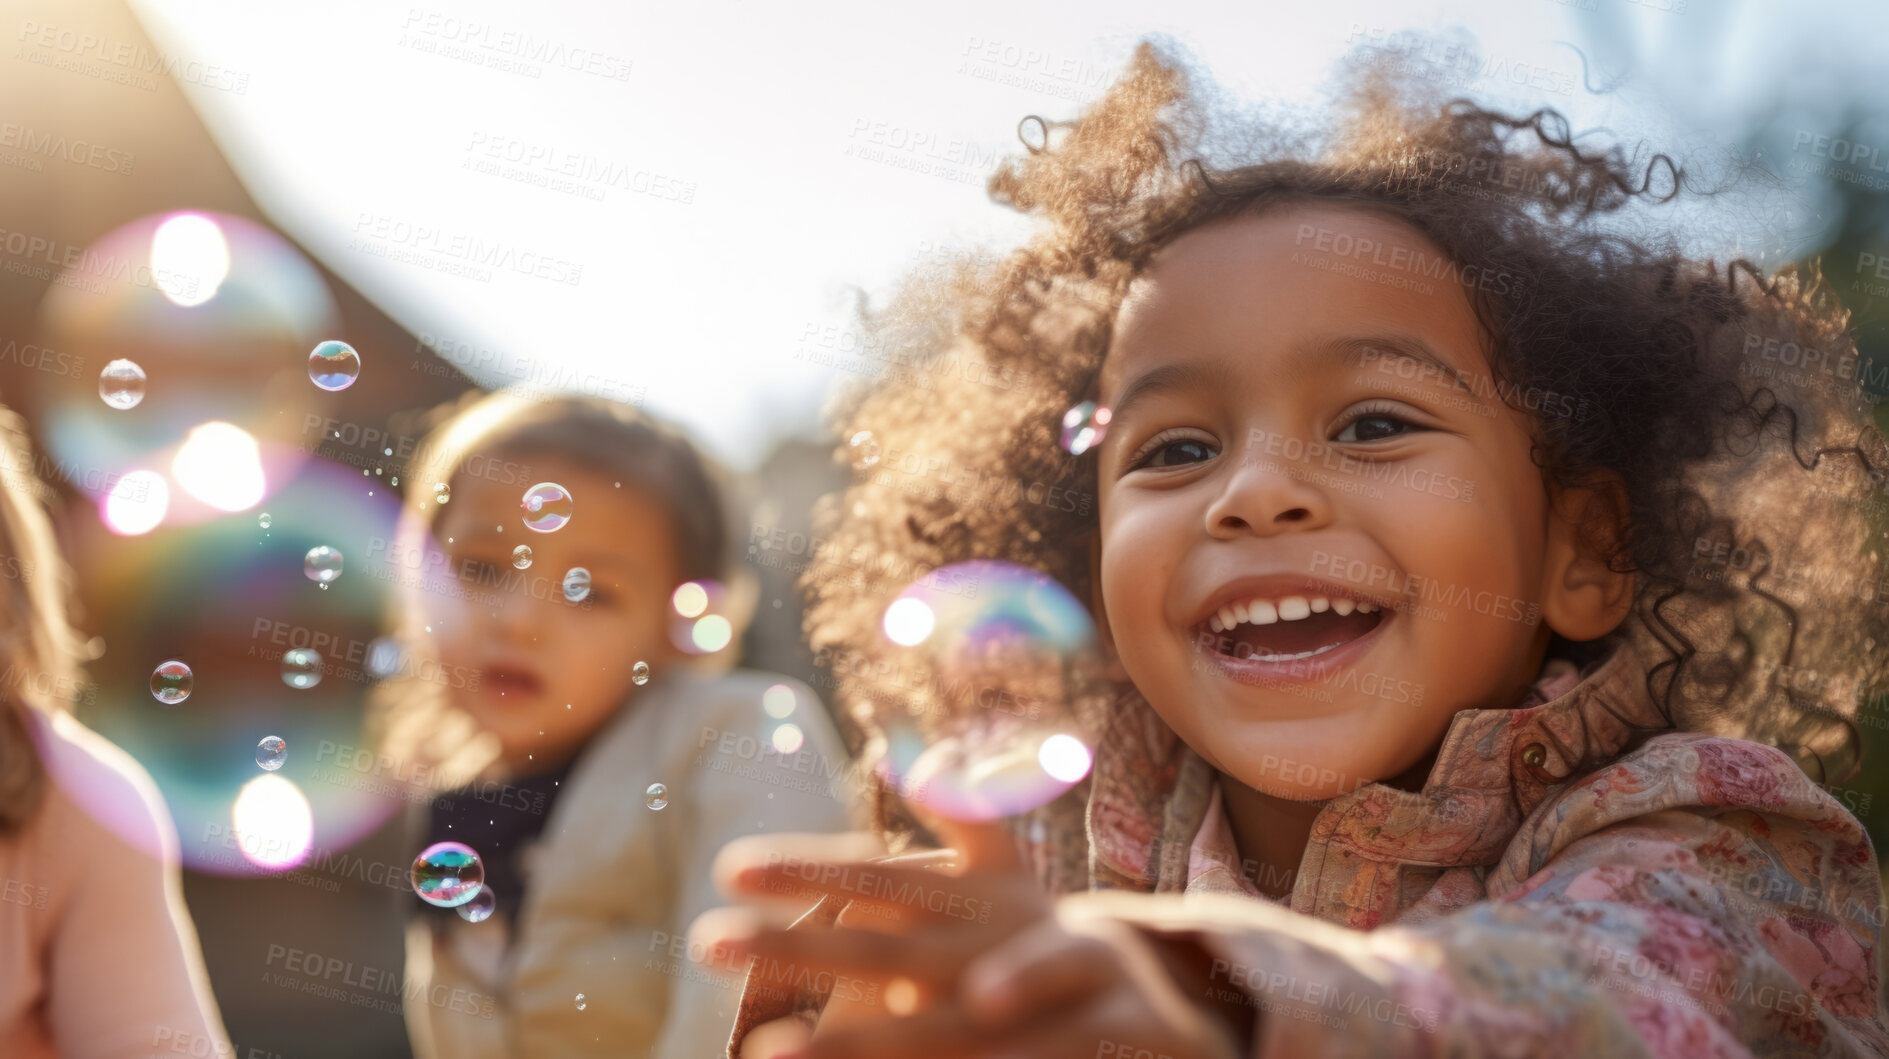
{"type": "Point", "coordinates": [370, 132]}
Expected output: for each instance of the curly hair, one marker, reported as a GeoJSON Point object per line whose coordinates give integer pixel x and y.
{"type": "Point", "coordinates": [1753, 492]}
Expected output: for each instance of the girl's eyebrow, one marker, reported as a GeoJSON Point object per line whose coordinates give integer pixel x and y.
{"type": "Point", "coordinates": [1357, 350]}
{"type": "Point", "coordinates": [1211, 375]}
{"type": "Point", "coordinates": [1347, 352]}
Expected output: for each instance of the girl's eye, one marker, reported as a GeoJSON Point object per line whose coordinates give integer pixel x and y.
{"type": "Point", "coordinates": [1375, 426]}
{"type": "Point", "coordinates": [1176, 453]}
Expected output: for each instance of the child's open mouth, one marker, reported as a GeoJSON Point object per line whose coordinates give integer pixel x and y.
{"type": "Point", "coordinates": [1301, 634]}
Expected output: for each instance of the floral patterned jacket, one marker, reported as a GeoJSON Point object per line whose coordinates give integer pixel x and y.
{"type": "Point", "coordinates": [1575, 878]}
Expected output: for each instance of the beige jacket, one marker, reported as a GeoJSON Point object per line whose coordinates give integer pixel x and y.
{"type": "Point", "coordinates": [98, 957]}
{"type": "Point", "coordinates": [614, 885]}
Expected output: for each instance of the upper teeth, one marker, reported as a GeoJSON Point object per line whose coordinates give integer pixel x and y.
{"type": "Point", "coordinates": [1290, 608]}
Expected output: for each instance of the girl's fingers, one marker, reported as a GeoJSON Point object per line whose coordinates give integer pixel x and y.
{"type": "Point", "coordinates": [986, 847]}
{"type": "Point", "coordinates": [1044, 968]}
{"type": "Point", "coordinates": [794, 958]}
{"type": "Point", "coordinates": [779, 1037]}
{"type": "Point", "coordinates": [757, 851]}
{"type": "Point", "coordinates": [936, 1032]}
{"type": "Point", "coordinates": [898, 894]}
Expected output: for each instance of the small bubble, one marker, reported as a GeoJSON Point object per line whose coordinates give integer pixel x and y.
{"type": "Point", "coordinates": [271, 752]}
{"type": "Point", "coordinates": [657, 796]}
{"type": "Point", "coordinates": [386, 452]}
{"type": "Point", "coordinates": [580, 1002]}
{"type": "Point", "coordinates": [865, 450]}
{"type": "Point", "coordinates": [480, 908]}
{"type": "Point", "coordinates": [640, 673]}
{"type": "Point", "coordinates": [301, 667]}
{"type": "Point", "coordinates": [576, 584]}
{"type": "Point", "coordinates": [1084, 426]}
{"type": "Point", "coordinates": [333, 366]}
{"type": "Point", "coordinates": [171, 682]}
{"type": "Point", "coordinates": [521, 557]}
{"type": "Point", "coordinates": [264, 520]}
{"type": "Point", "coordinates": [547, 507]}
{"type": "Point", "coordinates": [121, 384]}
{"type": "Point", "coordinates": [322, 564]}
{"type": "Point", "coordinates": [442, 492]}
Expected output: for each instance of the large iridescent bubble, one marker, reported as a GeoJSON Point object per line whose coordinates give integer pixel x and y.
{"type": "Point", "coordinates": [447, 874]}
{"type": "Point", "coordinates": [1005, 645]}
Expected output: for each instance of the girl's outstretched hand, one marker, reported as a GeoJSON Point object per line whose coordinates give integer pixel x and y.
{"type": "Point", "coordinates": [962, 954]}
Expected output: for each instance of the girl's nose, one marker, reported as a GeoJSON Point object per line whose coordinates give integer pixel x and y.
{"type": "Point", "coordinates": [1266, 495]}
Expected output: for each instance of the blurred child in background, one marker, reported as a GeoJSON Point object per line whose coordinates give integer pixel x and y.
{"type": "Point", "coordinates": [98, 956]}
{"type": "Point", "coordinates": [597, 766]}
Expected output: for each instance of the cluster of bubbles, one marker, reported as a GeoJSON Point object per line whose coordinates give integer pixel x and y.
{"type": "Point", "coordinates": [1021, 635]}
{"type": "Point", "coordinates": [547, 507]}
{"type": "Point", "coordinates": [322, 564]}
{"type": "Point", "coordinates": [698, 623]}
{"type": "Point", "coordinates": [333, 366]}
{"type": "Point", "coordinates": [271, 752]}
{"type": "Point", "coordinates": [171, 682]}
{"type": "Point", "coordinates": [1084, 426]}
{"type": "Point", "coordinates": [301, 668]}
{"type": "Point", "coordinates": [121, 384]}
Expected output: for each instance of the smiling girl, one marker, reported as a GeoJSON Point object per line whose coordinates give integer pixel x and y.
{"type": "Point", "coordinates": [1432, 724]}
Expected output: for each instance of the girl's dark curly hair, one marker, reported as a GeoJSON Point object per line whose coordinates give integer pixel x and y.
{"type": "Point", "coordinates": [1754, 493]}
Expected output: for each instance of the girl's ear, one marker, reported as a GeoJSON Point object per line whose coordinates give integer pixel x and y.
{"type": "Point", "coordinates": [1103, 633]}
{"type": "Point", "coordinates": [1582, 596]}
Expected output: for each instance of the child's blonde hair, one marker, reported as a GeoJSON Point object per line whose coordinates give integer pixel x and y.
{"type": "Point", "coordinates": [39, 649]}
{"type": "Point", "coordinates": [409, 715]}
{"type": "Point", "coordinates": [1655, 357]}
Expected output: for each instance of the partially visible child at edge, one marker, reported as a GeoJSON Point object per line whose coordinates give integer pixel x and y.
{"type": "Point", "coordinates": [1446, 541]}
{"type": "Point", "coordinates": [532, 704]}
{"type": "Point", "coordinates": [98, 956]}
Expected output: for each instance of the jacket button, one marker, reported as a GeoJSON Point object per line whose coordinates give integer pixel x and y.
{"type": "Point", "coordinates": [1534, 755]}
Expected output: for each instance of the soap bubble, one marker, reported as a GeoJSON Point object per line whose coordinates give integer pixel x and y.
{"type": "Point", "coordinates": [447, 874]}
{"type": "Point", "coordinates": [121, 384]}
{"type": "Point", "coordinates": [521, 557]}
{"type": "Point", "coordinates": [322, 564]}
{"type": "Point", "coordinates": [580, 1002]}
{"type": "Point", "coordinates": [334, 366]}
{"type": "Point", "coordinates": [657, 796]}
{"type": "Point", "coordinates": [778, 701]}
{"type": "Point", "coordinates": [264, 520]}
{"type": "Point", "coordinates": [699, 617]}
{"type": "Point", "coordinates": [547, 507]}
{"type": "Point", "coordinates": [384, 657]}
{"type": "Point", "coordinates": [1084, 427]}
{"type": "Point", "coordinates": [301, 667]}
{"type": "Point", "coordinates": [171, 682]}
{"type": "Point", "coordinates": [865, 449]}
{"type": "Point", "coordinates": [640, 673]}
{"type": "Point", "coordinates": [480, 908]}
{"type": "Point", "coordinates": [576, 584]}
{"type": "Point", "coordinates": [442, 492]}
{"type": "Point", "coordinates": [271, 752]}
{"type": "Point", "coordinates": [690, 599]}
{"type": "Point", "coordinates": [1007, 643]}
